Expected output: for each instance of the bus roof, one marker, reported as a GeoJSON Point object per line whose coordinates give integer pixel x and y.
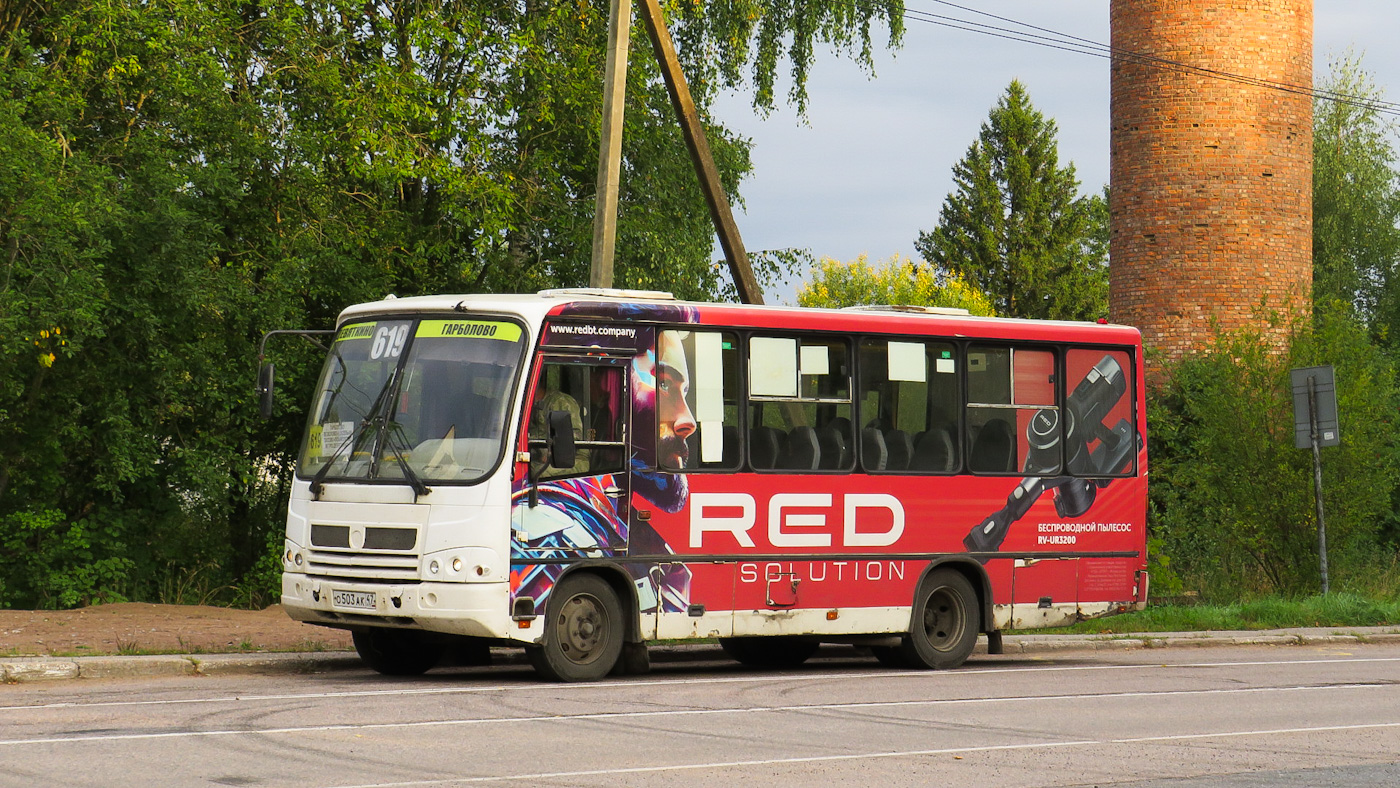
{"type": "Point", "coordinates": [534, 308]}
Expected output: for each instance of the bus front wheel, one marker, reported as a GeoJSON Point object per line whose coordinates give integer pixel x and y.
{"type": "Point", "coordinates": [944, 624]}
{"type": "Point", "coordinates": [583, 631]}
{"type": "Point", "coordinates": [398, 652]}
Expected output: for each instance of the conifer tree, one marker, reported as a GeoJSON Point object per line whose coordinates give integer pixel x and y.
{"type": "Point", "coordinates": [1015, 225]}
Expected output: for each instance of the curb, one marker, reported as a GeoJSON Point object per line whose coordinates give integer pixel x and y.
{"type": "Point", "coordinates": [24, 670]}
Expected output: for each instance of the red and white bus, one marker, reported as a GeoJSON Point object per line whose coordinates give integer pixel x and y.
{"type": "Point", "coordinates": [579, 472]}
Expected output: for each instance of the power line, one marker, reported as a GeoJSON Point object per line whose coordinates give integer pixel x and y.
{"type": "Point", "coordinates": [1053, 39]}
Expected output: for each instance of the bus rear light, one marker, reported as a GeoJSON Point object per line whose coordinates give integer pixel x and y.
{"type": "Point", "coordinates": [434, 567]}
{"type": "Point", "coordinates": [457, 565]}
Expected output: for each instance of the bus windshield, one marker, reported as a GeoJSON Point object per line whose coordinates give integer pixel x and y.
{"type": "Point", "coordinates": [413, 399]}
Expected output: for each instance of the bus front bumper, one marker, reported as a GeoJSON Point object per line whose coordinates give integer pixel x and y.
{"type": "Point", "coordinates": [470, 609]}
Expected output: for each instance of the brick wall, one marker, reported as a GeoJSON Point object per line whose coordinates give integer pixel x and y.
{"type": "Point", "coordinates": [1211, 179]}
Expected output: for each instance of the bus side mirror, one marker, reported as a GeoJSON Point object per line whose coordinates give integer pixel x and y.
{"type": "Point", "coordinates": [562, 452]}
{"type": "Point", "coordinates": [266, 383]}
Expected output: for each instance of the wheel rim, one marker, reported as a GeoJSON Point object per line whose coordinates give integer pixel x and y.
{"type": "Point", "coordinates": [583, 628]}
{"type": "Point", "coordinates": [944, 619]}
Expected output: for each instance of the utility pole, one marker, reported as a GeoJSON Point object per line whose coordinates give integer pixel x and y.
{"type": "Point", "coordinates": [699, 147]}
{"type": "Point", "coordinates": [610, 151]}
{"type": "Point", "coordinates": [610, 144]}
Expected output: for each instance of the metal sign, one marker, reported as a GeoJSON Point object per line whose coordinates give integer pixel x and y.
{"type": "Point", "coordinates": [1315, 426]}
{"type": "Point", "coordinates": [1325, 393]}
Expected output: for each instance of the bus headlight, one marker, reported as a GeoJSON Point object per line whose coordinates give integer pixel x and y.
{"type": "Point", "coordinates": [292, 557]}
{"type": "Point", "coordinates": [464, 565]}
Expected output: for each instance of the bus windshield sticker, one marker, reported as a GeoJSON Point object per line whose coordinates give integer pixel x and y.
{"type": "Point", "coordinates": [334, 434]}
{"type": "Point", "coordinates": [773, 367]}
{"type": "Point", "coordinates": [356, 331]}
{"type": "Point", "coordinates": [816, 360]}
{"type": "Point", "coordinates": [474, 329]}
{"type": "Point", "coordinates": [906, 362]}
{"type": "Point", "coordinates": [389, 341]}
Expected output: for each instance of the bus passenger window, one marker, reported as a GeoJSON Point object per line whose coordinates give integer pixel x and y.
{"type": "Point", "coordinates": [800, 414]}
{"type": "Point", "coordinates": [1013, 420]}
{"type": "Point", "coordinates": [909, 405]}
{"type": "Point", "coordinates": [697, 400]}
{"type": "Point", "coordinates": [1099, 394]}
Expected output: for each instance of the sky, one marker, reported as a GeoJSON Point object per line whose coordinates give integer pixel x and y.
{"type": "Point", "coordinates": [870, 165]}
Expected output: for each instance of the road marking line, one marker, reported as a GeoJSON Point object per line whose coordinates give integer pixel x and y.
{"type": "Point", "coordinates": [654, 713]}
{"type": "Point", "coordinates": [724, 764]}
{"type": "Point", "coordinates": [613, 686]}
{"type": "Point", "coordinates": [853, 757]}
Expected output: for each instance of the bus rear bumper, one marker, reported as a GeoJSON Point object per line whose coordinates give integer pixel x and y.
{"type": "Point", "coordinates": [470, 609]}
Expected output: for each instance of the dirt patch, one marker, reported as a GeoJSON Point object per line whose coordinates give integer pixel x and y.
{"type": "Point", "coordinates": [132, 628]}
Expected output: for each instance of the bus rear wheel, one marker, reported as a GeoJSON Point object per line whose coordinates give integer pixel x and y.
{"type": "Point", "coordinates": [398, 652]}
{"type": "Point", "coordinates": [943, 628]}
{"type": "Point", "coordinates": [583, 631]}
{"type": "Point", "coordinates": [769, 652]}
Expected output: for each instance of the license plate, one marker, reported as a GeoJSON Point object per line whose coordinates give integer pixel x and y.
{"type": "Point", "coordinates": [360, 600]}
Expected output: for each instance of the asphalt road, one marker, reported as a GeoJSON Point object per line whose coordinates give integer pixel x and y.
{"type": "Point", "coordinates": [1236, 716]}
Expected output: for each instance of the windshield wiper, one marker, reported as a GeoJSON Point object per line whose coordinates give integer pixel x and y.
{"type": "Point", "coordinates": [393, 432]}
{"type": "Point", "coordinates": [356, 437]}
{"type": "Point", "coordinates": [384, 411]}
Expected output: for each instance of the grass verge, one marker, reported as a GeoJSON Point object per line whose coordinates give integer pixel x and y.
{"type": "Point", "coordinates": [1333, 610]}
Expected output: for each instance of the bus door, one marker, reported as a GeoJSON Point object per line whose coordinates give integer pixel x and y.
{"type": "Point", "coordinates": [562, 515]}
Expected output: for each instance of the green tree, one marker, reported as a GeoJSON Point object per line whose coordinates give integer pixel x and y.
{"type": "Point", "coordinates": [898, 280]}
{"type": "Point", "coordinates": [1356, 199]}
{"type": "Point", "coordinates": [177, 177]}
{"type": "Point", "coordinates": [1232, 499]}
{"type": "Point", "coordinates": [1015, 225]}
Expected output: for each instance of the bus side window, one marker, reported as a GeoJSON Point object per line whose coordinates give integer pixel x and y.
{"type": "Point", "coordinates": [1013, 420]}
{"type": "Point", "coordinates": [592, 395]}
{"type": "Point", "coordinates": [697, 400]}
{"type": "Point", "coordinates": [909, 406]}
{"type": "Point", "coordinates": [1099, 395]}
{"type": "Point", "coordinates": [800, 408]}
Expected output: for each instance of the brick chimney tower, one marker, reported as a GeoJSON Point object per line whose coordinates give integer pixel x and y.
{"type": "Point", "coordinates": [1210, 171]}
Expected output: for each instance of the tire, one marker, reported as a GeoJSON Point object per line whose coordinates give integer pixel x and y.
{"type": "Point", "coordinates": [779, 651]}
{"type": "Point", "coordinates": [398, 652]}
{"type": "Point", "coordinates": [583, 631]}
{"type": "Point", "coordinates": [890, 656]}
{"type": "Point", "coordinates": [943, 627]}
{"type": "Point", "coordinates": [469, 652]}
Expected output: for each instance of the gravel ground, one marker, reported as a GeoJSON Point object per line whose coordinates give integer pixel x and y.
{"type": "Point", "coordinates": [131, 628]}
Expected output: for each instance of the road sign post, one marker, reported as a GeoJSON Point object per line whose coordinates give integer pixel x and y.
{"type": "Point", "coordinates": [1315, 426]}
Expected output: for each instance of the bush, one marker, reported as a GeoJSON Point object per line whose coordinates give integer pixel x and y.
{"type": "Point", "coordinates": [47, 562]}
{"type": "Point", "coordinates": [1232, 499]}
